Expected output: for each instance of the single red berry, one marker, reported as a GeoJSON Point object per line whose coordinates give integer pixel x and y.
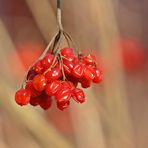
{"type": "Point", "coordinates": [53, 74]}
{"type": "Point", "coordinates": [39, 82]}
{"type": "Point", "coordinates": [68, 84]}
{"type": "Point", "coordinates": [38, 68]}
{"type": "Point", "coordinates": [89, 73]}
{"type": "Point", "coordinates": [47, 60]}
{"type": "Point", "coordinates": [98, 76]}
{"type": "Point", "coordinates": [85, 83]}
{"type": "Point", "coordinates": [29, 86]}
{"type": "Point", "coordinates": [45, 102]}
{"type": "Point", "coordinates": [68, 66]}
{"type": "Point", "coordinates": [53, 87]}
{"type": "Point", "coordinates": [22, 97]}
{"type": "Point", "coordinates": [89, 59]}
{"type": "Point", "coordinates": [78, 95]}
{"type": "Point", "coordinates": [34, 101]}
{"type": "Point", "coordinates": [66, 51]}
{"type": "Point", "coordinates": [77, 71]}
{"type": "Point", "coordinates": [63, 95]}
{"type": "Point", "coordinates": [63, 105]}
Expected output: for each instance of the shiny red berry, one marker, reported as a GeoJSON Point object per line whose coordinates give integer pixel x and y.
{"type": "Point", "coordinates": [66, 51]}
{"type": "Point", "coordinates": [53, 74]}
{"type": "Point", "coordinates": [31, 74]}
{"type": "Point", "coordinates": [38, 68]}
{"type": "Point", "coordinates": [52, 88]}
{"type": "Point", "coordinates": [29, 86]}
{"type": "Point", "coordinates": [47, 60]}
{"type": "Point", "coordinates": [89, 73]}
{"type": "Point", "coordinates": [78, 95]}
{"type": "Point", "coordinates": [89, 59]}
{"type": "Point", "coordinates": [98, 76]}
{"type": "Point", "coordinates": [63, 105]}
{"type": "Point", "coordinates": [63, 95]}
{"type": "Point", "coordinates": [45, 102]}
{"type": "Point", "coordinates": [68, 84]}
{"type": "Point", "coordinates": [22, 97]}
{"type": "Point", "coordinates": [39, 82]}
{"type": "Point", "coordinates": [77, 71]}
{"type": "Point", "coordinates": [68, 66]}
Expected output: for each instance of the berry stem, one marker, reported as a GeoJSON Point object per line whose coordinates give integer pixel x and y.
{"type": "Point", "coordinates": [59, 18]}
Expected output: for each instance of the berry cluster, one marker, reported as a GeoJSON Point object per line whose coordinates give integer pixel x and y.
{"type": "Point", "coordinates": [56, 76]}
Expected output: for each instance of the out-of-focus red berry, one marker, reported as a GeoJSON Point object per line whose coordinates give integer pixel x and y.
{"type": "Point", "coordinates": [68, 84]}
{"type": "Point", "coordinates": [34, 101]}
{"type": "Point", "coordinates": [39, 82]}
{"type": "Point", "coordinates": [85, 83]}
{"type": "Point", "coordinates": [89, 59]}
{"type": "Point", "coordinates": [22, 97]}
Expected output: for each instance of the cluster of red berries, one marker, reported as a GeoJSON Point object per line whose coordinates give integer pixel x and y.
{"type": "Point", "coordinates": [56, 76]}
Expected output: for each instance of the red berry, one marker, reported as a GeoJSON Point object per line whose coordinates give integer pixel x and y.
{"type": "Point", "coordinates": [63, 95]}
{"type": "Point", "coordinates": [68, 66]}
{"type": "Point", "coordinates": [34, 101]}
{"type": "Point", "coordinates": [66, 51]}
{"type": "Point", "coordinates": [78, 95]}
{"type": "Point", "coordinates": [89, 59]}
{"type": "Point", "coordinates": [29, 86]}
{"type": "Point", "coordinates": [53, 87]}
{"type": "Point", "coordinates": [53, 74]}
{"type": "Point", "coordinates": [98, 76]}
{"type": "Point", "coordinates": [39, 82]}
{"type": "Point", "coordinates": [47, 60]}
{"type": "Point", "coordinates": [68, 84]}
{"type": "Point", "coordinates": [85, 83]}
{"type": "Point", "coordinates": [78, 71]}
{"type": "Point", "coordinates": [38, 68]}
{"type": "Point", "coordinates": [45, 102]}
{"type": "Point", "coordinates": [89, 73]}
{"type": "Point", "coordinates": [63, 105]}
{"type": "Point", "coordinates": [22, 97]}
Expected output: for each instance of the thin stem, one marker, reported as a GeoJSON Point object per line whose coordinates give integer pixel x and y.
{"type": "Point", "coordinates": [59, 19]}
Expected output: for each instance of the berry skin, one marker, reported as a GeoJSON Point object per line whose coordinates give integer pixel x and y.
{"type": "Point", "coordinates": [39, 82]}
{"type": "Point", "coordinates": [47, 60]}
{"type": "Point", "coordinates": [53, 74]}
{"type": "Point", "coordinates": [45, 102]}
{"type": "Point", "coordinates": [38, 68]}
{"type": "Point", "coordinates": [22, 97]}
{"type": "Point", "coordinates": [78, 71]}
{"type": "Point", "coordinates": [68, 66]}
{"type": "Point", "coordinates": [63, 95]}
{"type": "Point", "coordinates": [66, 51]}
{"type": "Point", "coordinates": [89, 73]}
{"type": "Point", "coordinates": [63, 105]}
{"type": "Point", "coordinates": [29, 86]}
{"type": "Point", "coordinates": [78, 95]}
{"type": "Point", "coordinates": [85, 83]}
{"type": "Point", "coordinates": [68, 84]}
{"type": "Point", "coordinates": [53, 87]}
{"type": "Point", "coordinates": [34, 101]}
{"type": "Point", "coordinates": [89, 59]}
{"type": "Point", "coordinates": [98, 76]}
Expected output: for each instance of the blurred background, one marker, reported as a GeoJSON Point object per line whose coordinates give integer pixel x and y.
{"type": "Point", "coordinates": [115, 113]}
